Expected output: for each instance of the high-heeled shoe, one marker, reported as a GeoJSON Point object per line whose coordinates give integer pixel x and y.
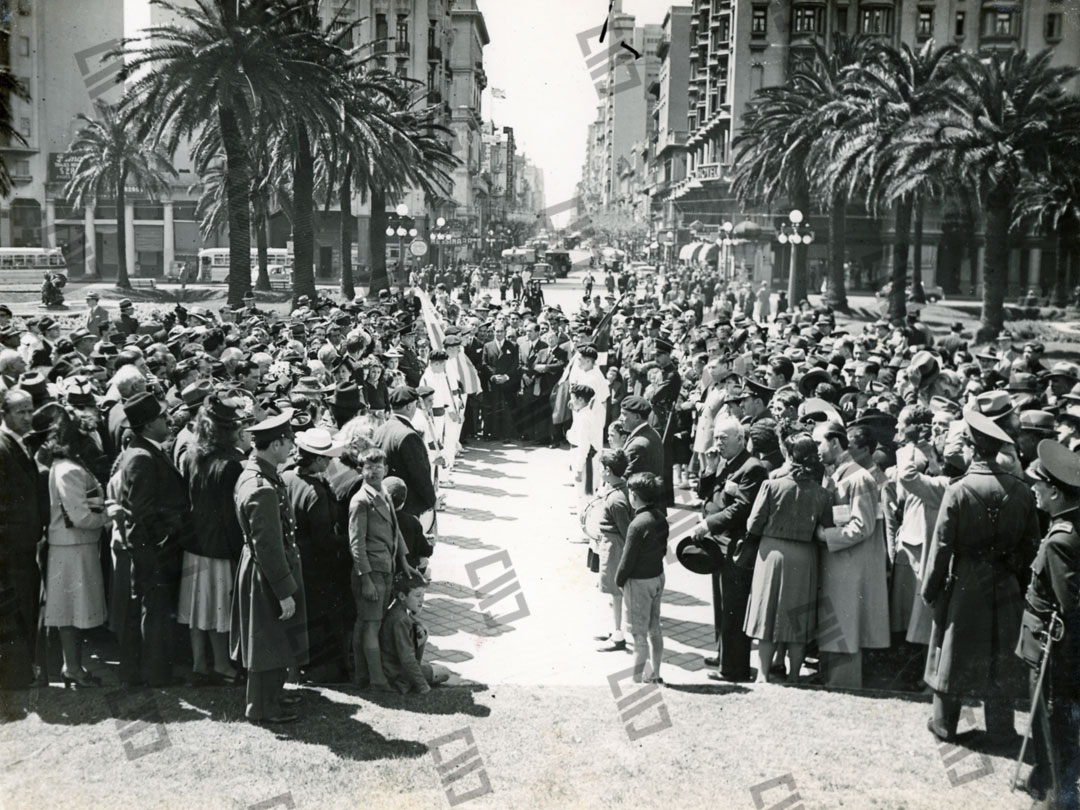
{"type": "Point", "coordinates": [82, 680]}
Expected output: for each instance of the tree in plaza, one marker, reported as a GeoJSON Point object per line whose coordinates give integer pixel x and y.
{"type": "Point", "coordinates": [226, 63]}
{"type": "Point", "coordinates": [1052, 203]}
{"type": "Point", "coordinates": [109, 159]}
{"type": "Point", "coordinates": [884, 91]}
{"type": "Point", "coordinates": [1000, 118]}
{"type": "Point", "coordinates": [781, 126]}
{"type": "Point", "coordinates": [9, 86]}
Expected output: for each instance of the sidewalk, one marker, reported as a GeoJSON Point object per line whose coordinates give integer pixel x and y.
{"type": "Point", "coordinates": [511, 599]}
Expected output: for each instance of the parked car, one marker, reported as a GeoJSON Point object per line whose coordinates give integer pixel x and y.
{"type": "Point", "coordinates": [933, 292]}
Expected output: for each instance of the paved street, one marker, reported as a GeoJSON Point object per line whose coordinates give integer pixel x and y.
{"type": "Point", "coordinates": [510, 519]}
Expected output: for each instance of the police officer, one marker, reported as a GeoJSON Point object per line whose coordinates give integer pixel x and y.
{"type": "Point", "coordinates": [1055, 588]}
{"type": "Point", "coordinates": [269, 613]}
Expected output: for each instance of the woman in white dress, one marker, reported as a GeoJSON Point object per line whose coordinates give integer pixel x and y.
{"type": "Point", "coordinates": [74, 586]}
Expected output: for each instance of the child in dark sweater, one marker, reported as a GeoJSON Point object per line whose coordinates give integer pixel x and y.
{"type": "Point", "coordinates": [402, 639]}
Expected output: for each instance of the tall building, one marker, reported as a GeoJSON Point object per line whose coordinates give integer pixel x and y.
{"type": "Point", "coordinates": [60, 49]}
{"type": "Point", "coordinates": [737, 48]}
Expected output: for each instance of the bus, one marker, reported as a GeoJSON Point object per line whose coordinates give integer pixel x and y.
{"type": "Point", "coordinates": [214, 264]}
{"type": "Point", "coordinates": [29, 265]}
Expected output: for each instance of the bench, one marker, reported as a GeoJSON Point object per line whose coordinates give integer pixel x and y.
{"type": "Point", "coordinates": [148, 283]}
{"type": "Point", "coordinates": [279, 284]}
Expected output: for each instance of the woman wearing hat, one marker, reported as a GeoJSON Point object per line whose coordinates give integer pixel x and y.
{"type": "Point", "coordinates": [74, 586]}
{"type": "Point", "coordinates": [211, 467]}
{"type": "Point", "coordinates": [783, 596]}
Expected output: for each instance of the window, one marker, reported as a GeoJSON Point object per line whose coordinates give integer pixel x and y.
{"type": "Point", "coordinates": [758, 21]}
{"type": "Point", "coordinates": [876, 21]}
{"type": "Point", "coordinates": [1053, 26]}
{"type": "Point", "coordinates": [148, 210]}
{"type": "Point", "coordinates": [403, 30]}
{"type": "Point", "coordinates": [1000, 23]}
{"type": "Point", "coordinates": [381, 31]}
{"type": "Point", "coordinates": [925, 25]}
{"type": "Point", "coordinates": [24, 126]}
{"type": "Point", "coordinates": [24, 46]}
{"type": "Point", "coordinates": [22, 169]}
{"type": "Point", "coordinates": [724, 33]}
{"type": "Point", "coordinates": [808, 20]}
{"type": "Point", "coordinates": [958, 30]}
{"type": "Point", "coordinates": [431, 34]}
{"type": "Point", "coordinates": [841, 20]}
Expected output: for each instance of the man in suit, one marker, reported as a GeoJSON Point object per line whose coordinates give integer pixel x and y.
{"type": "Point", "coordinates": [24, 510]}
{"type": "Point", "coordinates": [729, 485]}
{"type": "Point", "coordinates": [500, 373]}
{"type": "Point", "coordinates": [664, 401]}
{"type": "Point", "coordinates": [154, 497]}
{"type": "Point", "coordinates": [127, 324]}
{"type": "Point", "coordinates": [644, 449]}
{"type": "Point", "coordinates": [406, 455]}
{"type": "Point", "coordinates": [96, 315]}
{"type": "Point", "coordinates": [546, 368]}
{"type": "Point", "coordinates": [532, 398]}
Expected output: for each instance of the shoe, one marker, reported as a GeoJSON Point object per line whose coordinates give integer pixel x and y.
{"type": "Point", "coordinates": [276, 720]}
{"type": "Point", "coordinates": [725, 678]}
{"type": "Point", "coordinates": [613, 646]}
{"type": "Point", "coordinates": [657, 681]}
{"type": "Point", "coordinates": [940, 732]}
{"type": "Point", "coordinates": [712, 661]}
{"type": "Point", "coordinates": [289, 701]}
{"type": "Point", "coordinates": [604, 637]}
{"type": "Point", "coordinates": [778, 671]}
{"type": "Point", "coordinates": [80, 680]}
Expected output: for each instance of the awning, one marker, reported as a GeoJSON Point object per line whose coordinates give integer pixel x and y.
{"type": "Point", "coordinates": [711, 255]}
{"type": "Point", "coordinates": [686, 252]}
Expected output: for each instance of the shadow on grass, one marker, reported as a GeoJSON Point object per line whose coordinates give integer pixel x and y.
{"type": "Point", "coordinates": [442, 700]}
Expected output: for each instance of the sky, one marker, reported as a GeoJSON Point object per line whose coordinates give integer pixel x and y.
{"type": "Point", "coordinates": [536, 59]}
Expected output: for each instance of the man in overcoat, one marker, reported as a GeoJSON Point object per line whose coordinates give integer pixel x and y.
{"type": "Point", "coordinates": [729, 485]}
{"type": "Point", "coordinates": [644, 448]}
{"type": "Point", "coordinates": [269, 612]}
{"type": "Point", "coordinates": [406, 454]}
{"type": "Point", "coordinates": [984, 541]}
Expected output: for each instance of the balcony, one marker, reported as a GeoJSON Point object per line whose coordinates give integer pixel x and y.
{"type": "Point", "coordinates": [434, 96]}
{"type": "Point", "coordinates": [401, 46]}
{"type": "Point", "coordinates": [381, 46]}
{"type": "Point", "coordinates": [434, 53]}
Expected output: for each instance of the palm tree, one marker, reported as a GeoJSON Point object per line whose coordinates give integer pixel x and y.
{"type": "Point", "coordinates": [225, 63]}
{"type": "Point", "coordinates": [1052, 202]}
{"type": "Point", "coordinates": [9, 86]}
{"type": "Point", "coordinates": [1000, 118]}
{"type": "Point", "coordinates": [110, 158]}
{"type": "Point", "coordinates": [773, 151]}
{"type": "Point", "coordinates": [882, 93]}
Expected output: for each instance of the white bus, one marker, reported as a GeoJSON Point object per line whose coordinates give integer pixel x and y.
{"type": "Point", "coordinates": [214, 264]}
{"type": "Point", "coordinates": [29, 265]}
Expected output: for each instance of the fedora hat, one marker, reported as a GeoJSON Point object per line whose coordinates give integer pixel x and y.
{"type": "Point", "coordinates": [346, 396]}
{"type": "Point", "coordinates": [812, 379]}
{"type": "Point", "coordinates": [319, 442]}
{"type": "Point", "coordinates": [310, 385]}
{"type": "Point", "coordinates": [142, 409]}
{"type": "Point", "coordinates": [701, 555]}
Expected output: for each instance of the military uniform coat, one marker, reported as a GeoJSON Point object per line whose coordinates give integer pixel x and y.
{"type": "Point", "coordinates": [985, 537]}
{"type": "Point", "coordinates": [269, 571]}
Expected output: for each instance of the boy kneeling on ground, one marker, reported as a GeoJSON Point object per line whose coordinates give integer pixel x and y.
{"type": "Point", "coordinates": [402, 639]}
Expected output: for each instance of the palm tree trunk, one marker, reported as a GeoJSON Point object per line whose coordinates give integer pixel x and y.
{"type": "Point", "coordinates": [837, 297]}
{"type": "Point", "coordinates": [122, 280]}
{"type": "Point", "coordinates": [304, 217]}
{"type": "Point", "coordinates": [918, 294]}
{"type": "Point", "coordinates": [898, 296]}
{"type": "Point", "coordinates": [237, 190]}
{"type": "Point", "coordinates": [377, 240]}
{"type": "Point", "coordinates": [348, 291]}
{"type": "Point", "coordinates": [995, 264]}
{"type": "Point", "coordinates": [262, 245]}
{"type": "Point", "coordinates": [1061, 273]}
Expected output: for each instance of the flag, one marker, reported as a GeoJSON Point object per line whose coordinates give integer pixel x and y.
{"type": "Point", "coordinates": [470, 379]}
{"type": "Point", "coordinates": [499, 93]}
{"type": "Point", "coordinates": [436, 334]}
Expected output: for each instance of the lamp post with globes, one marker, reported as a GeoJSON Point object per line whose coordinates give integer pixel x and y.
{"type": "Point", "coordinates": [440, 237]}
{"type": "Point", "coordinates": [794, 235]}
{"type": "Point", "coordinates": [726, 242]}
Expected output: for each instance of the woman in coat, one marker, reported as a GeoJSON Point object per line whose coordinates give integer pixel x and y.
{"type": "Point", "coordinates": [986, 536]}
{"type": "Point", "coordinates": [212, 466]}
{"type": "Point", "coordinates": [74, 587]}
{"type": "Point", "coordinates": [783, 596]}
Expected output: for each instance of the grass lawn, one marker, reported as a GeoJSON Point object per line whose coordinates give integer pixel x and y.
{"type": "Point", "coordinates": [539, 747]}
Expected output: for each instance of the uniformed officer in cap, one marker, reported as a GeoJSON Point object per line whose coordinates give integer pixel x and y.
{"type": "Point", "coordinates": [269, 613]}
{"type": "Point", "coordinates": [984, 541]}
{"type": "Point", "coordinates": [1055, 588]}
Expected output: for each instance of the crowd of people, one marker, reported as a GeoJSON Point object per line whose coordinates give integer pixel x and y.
{"type": "Point", "coordinates": [273, 484]}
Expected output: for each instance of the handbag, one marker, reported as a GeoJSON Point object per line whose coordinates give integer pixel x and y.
{"type": "Point", "coordinates": [1030, 645]}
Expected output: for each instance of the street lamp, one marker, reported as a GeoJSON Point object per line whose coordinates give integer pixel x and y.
{"type": "Point", "coordinates": [671, 248]}
{"type": "Point", "coordinates": [800, 234]}
{"type": "Point", "coordinates": [727, 242]}
{"type": "Point", "coordinates": [440, 237]}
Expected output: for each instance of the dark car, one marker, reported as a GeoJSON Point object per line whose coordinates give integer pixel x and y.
{"type": "Point", "coordinates": [561, 262]}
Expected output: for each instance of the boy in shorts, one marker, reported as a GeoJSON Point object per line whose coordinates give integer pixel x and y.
{"type": "Point", "coordinates": [376, 544]}
{"type": "Point", "coordinates": [403, 638]}
{"type": "Point", "coordinates": [641, 574]}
